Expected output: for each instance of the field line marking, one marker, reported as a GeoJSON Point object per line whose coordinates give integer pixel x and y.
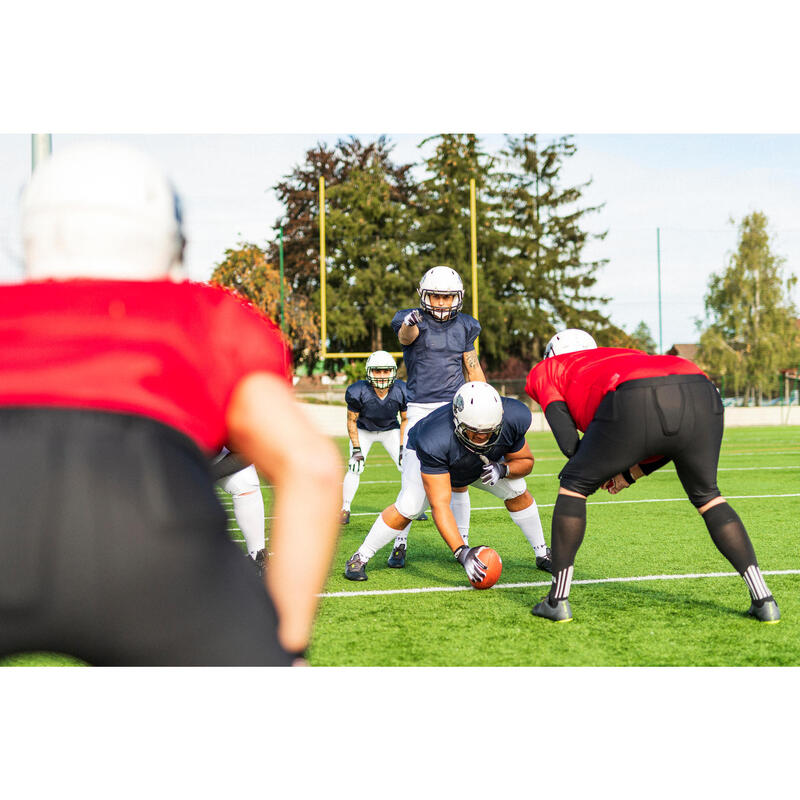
{"type": "Point", "coordinates": [632, 579]}
{"type": "Point", "coordinates": [605, 503]}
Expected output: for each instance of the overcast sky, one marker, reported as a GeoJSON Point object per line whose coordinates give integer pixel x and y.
{"type": "Point", "coordinates": [687, 185]}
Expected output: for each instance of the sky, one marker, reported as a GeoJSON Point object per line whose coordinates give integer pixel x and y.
{"type": "Point", "coordinates": [685, 186]}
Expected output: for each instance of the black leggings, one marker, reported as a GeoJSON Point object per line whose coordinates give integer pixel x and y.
{"type": "Point", "coordinates": [677, 416]}
{"type": "Point", "coordinates": [113, 547]}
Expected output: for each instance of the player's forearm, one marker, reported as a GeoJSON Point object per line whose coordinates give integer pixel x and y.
{"type": "Point", "coordinates": [302, 540]}
{"type": "Point", "coordinates": [446, 523]}
{"type": "Point", "coordinates": [472, 368]}
{"type": "Point", "coordinates": [352, 432]}
{"type": "Point", "coordinates": [519, 467]}
{"type": "Point", "coordinates": [407, 334]}
{"type": "Point", "coordinates": [563, 427]}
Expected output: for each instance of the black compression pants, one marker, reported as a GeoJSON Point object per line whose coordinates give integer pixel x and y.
{"type": "Point", "coordinates": [113, 547]}
{"type": "Point", "coordinates": [677, 416]}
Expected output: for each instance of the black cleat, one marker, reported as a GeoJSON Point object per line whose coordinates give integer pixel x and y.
{"type": "Point", "coordinates": [423, 517]}
{"type": "Point", "coordinates": [767, 612]}
{"type": "Point", "coordinates": [561, 612]}
{"type": "Point", "coordinates": [261, 561]}
{"type": "Point", "coordinates": [344, 519]}
{"type": "Point", "coordinates": [398, 557]}
{"type": "Point", "coordinates": [544, 562]}
{"type": "Point", "coordinates": [356, 569]}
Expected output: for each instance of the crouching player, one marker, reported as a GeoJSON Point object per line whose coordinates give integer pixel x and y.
{"type": "Point", "coordinates": [372, 409]}
{"type": "Point", "coordinates": [637, 412]}
{"type": "Point", "coordinates": [478, 440]}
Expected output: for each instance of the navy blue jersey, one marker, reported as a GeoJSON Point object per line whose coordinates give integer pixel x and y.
{"type": "Point", "coordinates": [439, 451]}
{"type": "Point", "coordinates": [375, 414]}
{"type": "Point", "coordinates": [434, 359]}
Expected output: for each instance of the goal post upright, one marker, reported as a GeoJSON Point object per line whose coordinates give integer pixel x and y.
{"type": "Point", "coordinates": [473, 248]}
{"type": "Point", "coordinates": [322, 270]}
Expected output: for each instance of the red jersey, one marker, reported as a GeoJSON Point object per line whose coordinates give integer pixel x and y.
{"type": "Point", "coordinates": [584, 378]}
{"type": "Point", "coordinates": [169, 351]}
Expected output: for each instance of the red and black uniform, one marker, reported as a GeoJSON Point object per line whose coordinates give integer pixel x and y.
{"type": "Point", "coordinates": [113, 546]}
{"type": "Point", "coordinates": [632, 407]}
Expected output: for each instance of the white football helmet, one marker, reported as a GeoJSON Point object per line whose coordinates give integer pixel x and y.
{"type": "Point", "coordinates": [380, 359]}
{"type": "Point", "coordinates": [477, 408]}
{"type": "Point", "coordinates": [569, 341]}
{"type": "Point", "coordinates": [101, 210]}
{"type": "Point", "coordinates": [441, 280]}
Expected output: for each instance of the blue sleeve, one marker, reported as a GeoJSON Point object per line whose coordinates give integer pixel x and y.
{"type": "Point", "coordinates": [397, 319]}
{"type": "Point", "coordinates": [473, 329]}
{"type": "Point", "coordinates": [431, 465]}
{"type": "Point", "coordinates": [521, 419]}
{"type": "Point", "coordinates": [401, 385]}
{"type": "Point", "coordinates": [353, 397]}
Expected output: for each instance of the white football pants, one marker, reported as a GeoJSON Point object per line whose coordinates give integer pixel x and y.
{"type": "Point", "coordinates": [391, 443]}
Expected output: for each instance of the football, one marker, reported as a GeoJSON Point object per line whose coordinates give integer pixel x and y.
{"type": "Point", "coordinates": [494, 566]}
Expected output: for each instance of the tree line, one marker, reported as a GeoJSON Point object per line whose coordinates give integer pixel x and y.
{"type": "Point", "coordinates": [385, 225]}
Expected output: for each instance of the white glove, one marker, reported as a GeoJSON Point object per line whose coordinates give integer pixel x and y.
{"type": "Point", "coordinates": [356, 462]}
{"type": "Point", "coordinates": [412, 318]}
{"type": "Point", "coordinates": [493, 472]}
{"type": "Point", "coordinates": [473, 566]}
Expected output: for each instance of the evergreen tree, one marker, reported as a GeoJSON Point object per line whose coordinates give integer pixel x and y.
{"type": "Point", "coordinates": [547, 273]}
{"type": "Point", "coordinates": [753, 331]}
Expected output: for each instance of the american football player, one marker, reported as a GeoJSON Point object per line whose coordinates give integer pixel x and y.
{"type": "Point", "coordinates": [119, 380]}
{"type": "Point", "coordinates": [637, 412]}
{"type": "Point", "coordinates": [373, 406]}
{"type": "Point", "coordinates": [439, 353]}
{"type": "Point", "coordinates": [242, 483]}
{"type": "Point", "coordinates": [477, 440]}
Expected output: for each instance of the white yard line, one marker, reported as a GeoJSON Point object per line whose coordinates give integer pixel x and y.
{"type": "Point", "coordinates": [633, 579]}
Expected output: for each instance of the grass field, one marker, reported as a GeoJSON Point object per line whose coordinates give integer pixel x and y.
{"type": "Point", "coordinates": [649, 586]}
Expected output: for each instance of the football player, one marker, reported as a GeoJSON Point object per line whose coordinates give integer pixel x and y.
{"type": "Point", "coordinates": [439, 353]}
{"type": "Point", "coordinates": [477, 440]}
{"type": "Point", "coordinates": [119, 380]}
{"type": "Point", "coordinates": [637, 412]}
{"type": "Point", "coordinates": [242, 483]}
{"type": "Point", "coordinates": [373, 406]}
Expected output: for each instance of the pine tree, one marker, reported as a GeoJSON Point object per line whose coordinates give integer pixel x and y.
{"type": "Point", "coordinates": [753, 332]}
{"type": "Point", "coordinates": [547, 270]}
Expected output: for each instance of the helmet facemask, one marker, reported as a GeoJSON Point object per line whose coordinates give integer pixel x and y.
{"type": "Point", "coordinates": [441, 313]}
{"type": "Point", "coordinates": [381, 383]}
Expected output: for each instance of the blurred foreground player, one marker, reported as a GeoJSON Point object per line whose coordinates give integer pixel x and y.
{"type": "Point", "coordinates": [373, 406]}
{"type": "Point", "coordinates": [477, 440]}
{"type": "Point", "coordinates": [637, 412]}
{"type": "Point", "coordinates": [118, 382]}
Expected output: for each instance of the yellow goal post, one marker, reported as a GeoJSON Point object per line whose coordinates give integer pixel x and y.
{"type": "Point", "coordinates": [324, 354]}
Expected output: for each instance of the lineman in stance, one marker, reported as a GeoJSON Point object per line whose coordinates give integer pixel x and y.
{"type": "Point", "coordinates": [244, 486]}
{"type": "Point", "coordinates": [119, 380]}
{"type": "Point", "coordinates": [439, 353]}
{"type": "Point", "coordinates": [477, 440]}
{"type": "Point", "coordinates": [637, 412]}
{"type": "Point", "coordinates": [372, 409]}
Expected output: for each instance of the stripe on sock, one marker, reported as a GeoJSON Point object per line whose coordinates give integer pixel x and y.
{"type": "Point", "coordinates": [563, 582]}
{"type": "Point", "coordinates": [755, 582]}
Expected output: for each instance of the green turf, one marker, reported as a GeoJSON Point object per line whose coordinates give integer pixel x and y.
{"type": "Point", "coordinates": [688, 622]}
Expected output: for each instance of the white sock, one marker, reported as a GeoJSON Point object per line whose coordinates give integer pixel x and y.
{"type": "Point", "coordinates": [380, 534]}
{"type": "Point", "coordinates": [461, 506]}
{"type": "Point", "coordinates": [249, 512]}
{"type": "Point", "coordinates": [349, 489]}
{"type": "Point", "coordinates": [531, 526]}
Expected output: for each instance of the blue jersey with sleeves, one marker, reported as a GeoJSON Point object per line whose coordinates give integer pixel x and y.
{"type": "Point", "coordinates": [440, 452]}
{"type": "Point", "coordinates": [375, 414]}
{"type": "Point", "coordinates": [433, 360]}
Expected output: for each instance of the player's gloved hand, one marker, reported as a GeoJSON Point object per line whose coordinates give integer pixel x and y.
{"type": "Point", "coordinates": [493, 472]}
{"type": "Point", "coordinates": [400, 457]}
{"type": "Point", "coordinates": [356, 462]}
{"type": "Point", "coordinates": [473, 566]}
{"type": "Point", "coordinates": [412, 318]}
